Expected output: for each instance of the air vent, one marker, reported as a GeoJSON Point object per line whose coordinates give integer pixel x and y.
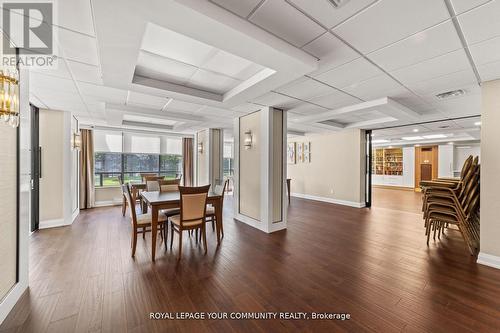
{"type": "Point", "coordinates": [338, 3]}
{"type": "Point", "coordinates": [450, 94]}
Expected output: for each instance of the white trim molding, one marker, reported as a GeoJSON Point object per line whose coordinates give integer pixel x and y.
{"type": "Point", "coordinates": [52, 224]}
{"type": "Point", "coordinates": [329, 200]}
{"type": "Point", "coordinates": [109, 203]}
{"type": "Point", "coordinates": [488, 260]}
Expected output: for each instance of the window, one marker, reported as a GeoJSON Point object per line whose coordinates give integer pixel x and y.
{"type": "Point", "coordinates": [228, 159]}
{"type": "Point", "coordinates": [127, 155]}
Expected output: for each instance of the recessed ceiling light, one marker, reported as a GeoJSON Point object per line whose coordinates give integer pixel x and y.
{"type": "Point", "coordinates": [415, 130]}
{"type": "Point", "coordinates": [450, 143]}
{"type": "Point", "coordinates": [477, 123]}
{"type": "Point", "coordinates": [435, 136]}
{"type": "Point", "coordinates": [338, 3]}
{"type": "Point", "coordinates": [417, 145]}
{"type": "Point", "coordinates": [463, 147]}
{"type": "Point", "coordinates": [450, 94]}
{"type": "Point", "coordinates": [412, 138]}
{"type": "Point", "coordinates": [380, 141]}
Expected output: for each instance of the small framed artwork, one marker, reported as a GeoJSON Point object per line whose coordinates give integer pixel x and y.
{"type": "Point", "coordinates": [300, 152]}
{"type": "Point", "coordinates": [307, 152]}
{"type": "Point", "coordinates": [291, 153]}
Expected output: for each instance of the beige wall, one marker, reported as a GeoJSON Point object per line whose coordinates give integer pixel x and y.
{"type": "Point", "coordinates": [336, 170]}
{"type": "Point", "coordinates": [490, 167]}
{"type": "Point", "coordinates": [250, 167]}
{"type": "Point", "coordinates": [8, 221]}
{"type": "Point", "coordinates": [202, 160]}
{"type": "Point", "coordinates": [51, 183]}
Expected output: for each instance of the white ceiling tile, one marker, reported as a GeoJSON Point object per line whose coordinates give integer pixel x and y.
{"type": "Point", "coordinates": [489, 71]}
{"type": "Point", "coordinates": [305, 88]}
{"type": "Point", "coordinates": [78, 47]}
{"type": "Point", "coordinates": [464, 106]}
{"type": "Point", "coordinates": [331, 51]}
{"type": "Point", "coordinates": [246, 108]}
{"type": "Point", "coordinates": [377, 87]}
{"type": "Point", "coordinates": [486, 51]}
{"type": "Point", "coordinates": [424, 45]}
{"type": "Point", "coordinates": [140, 99]}
{"type": "Point", "coordinates": [449, 63]}
{"type": "Point", "coordinates": [85, 73]}
{"type": "Point", "coordinates": [335, 100]}
{"type": "Point", "coordinates": [461, 6]}
{"type": "Point", "coordinates": [59, 70]}
{"type": "Point", "coordinates": [98, 93]}
{"type": "Point", "coordinates": [231, 65]}
{"type": "Point", "coordinates": [389, 21]}
{"type": "Point", "coordinates": [283, 20]}
{"type": "Point", "coordinates": [170, 44]}
{"type": "Point", "coordinates": [75, 15]}
{"type": "Point", "coordinates": [55, 84]}
{"type": "Point", "coordinates": [350, 73]}
{"type": "Point", "coordinates": [178, 105]}
{"type": "Point", "coordinates": [240, 7]}
{"type": "Point", "coordinates": [457, 80]}
{"type": "Point", "coordinates": [164, 69]}
{"type": "Point", "coordinates": [327, 14]}
{"type": "Point", "coordinates": [276, 100]}
{"type": "Point", "coordinates": [212, 82]}
{"type": "Point", "coordinates": [307, 110]}
{"type": "Point", "coordinates": [481, 23]}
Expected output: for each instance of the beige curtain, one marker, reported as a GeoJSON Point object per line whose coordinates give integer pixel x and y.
{"type": "Point", "coordinates": [187, 165]}
{"type": "Point", "coordinates": [87, 192]}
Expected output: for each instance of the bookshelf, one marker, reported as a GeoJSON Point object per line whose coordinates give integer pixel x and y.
{"type": "Point", "coordinates": [378, 162]}
{"type": "Point", "coordinates": [393, 162]}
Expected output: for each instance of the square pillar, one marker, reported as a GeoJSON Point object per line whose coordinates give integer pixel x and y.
{"type": "Point", "coordinates": [209, 157]}
{"type": "Point", "coordinates": [260, 169]}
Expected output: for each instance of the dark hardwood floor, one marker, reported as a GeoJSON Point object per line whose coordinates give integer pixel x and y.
{"type": "Point", "coordinates": [373, 264]}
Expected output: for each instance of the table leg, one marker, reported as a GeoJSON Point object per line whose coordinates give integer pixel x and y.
{"type": "Point", "coordinates": [154, 230]}
{"type": "Point", "coordinates": [218, 219]}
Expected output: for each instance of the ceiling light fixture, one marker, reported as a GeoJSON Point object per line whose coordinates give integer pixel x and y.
{"type": "Point", "coordinates": [477, 123]}
{"type": "Point", "coordinates": [435, 136]}
{"type": "Point", "coordinates": [450, 94]}
{"type": "Point", "coordinates": [338, 3]}
{"type": "Point", "coordinates": [415, 130]}
{"type": "Point", "coordinates": [412, 138]}
{"type": "Point", "coordinates": [380, 141]}
{"type": "Point", "coordinates": [9, 96]}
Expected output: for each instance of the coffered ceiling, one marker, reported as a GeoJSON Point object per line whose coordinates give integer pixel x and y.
{"type": "Point", "coordinates": [200, 63]}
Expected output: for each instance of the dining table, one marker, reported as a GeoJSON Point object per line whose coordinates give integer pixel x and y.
{"type": "Point", "coordinates": [165, 200]}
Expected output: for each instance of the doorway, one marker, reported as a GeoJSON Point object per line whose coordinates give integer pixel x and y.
{"type": "Point", "coordinates": [36, 167]}
{"type": "Point", "coordinates": [426, 164]}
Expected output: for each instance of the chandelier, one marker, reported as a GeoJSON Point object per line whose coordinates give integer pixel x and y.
{"type": "Point", "coordinates": [9, 96]}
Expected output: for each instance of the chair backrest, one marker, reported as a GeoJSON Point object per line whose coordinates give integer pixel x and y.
{"type": "Point", "coordinates": [144, 175]}
{"type": "Point", "coordinates": [466, 166]}
{"type": "Point", "coordinates": [169, 188]}
{"type": "Point", "coordinates": [193, 203]}
{"type": "Point", "coordinates": [150, 178]}
{"type": "Point", "coordinates": [170, 182]}
{"type": "Point", "coordinates": [126, 192]}
{"type": "Point", "coordinates": [152, 185]}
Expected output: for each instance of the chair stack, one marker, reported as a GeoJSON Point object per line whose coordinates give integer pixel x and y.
{"type": "Point", "coordinates": [449, 201]}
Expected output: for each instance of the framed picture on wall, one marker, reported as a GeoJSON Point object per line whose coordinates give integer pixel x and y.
{"type": "Point", "coordinates": [291, 157]}
{"type": "Point", "coordinates": [300, 152]}
{"type": "Point", "coordinates": [307, 152]}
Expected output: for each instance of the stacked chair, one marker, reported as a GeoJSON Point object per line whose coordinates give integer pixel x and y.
{"type": "Point", "coordinates": [448, 201]}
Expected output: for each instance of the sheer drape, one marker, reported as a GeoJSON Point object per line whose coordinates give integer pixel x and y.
{"type": "Point", "coordinates": [187, 165]}
{"type": "Point", "coordinates": [87, 192]}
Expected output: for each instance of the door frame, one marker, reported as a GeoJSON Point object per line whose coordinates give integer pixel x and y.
{"type": "Point", "coordinates": [36, 167]}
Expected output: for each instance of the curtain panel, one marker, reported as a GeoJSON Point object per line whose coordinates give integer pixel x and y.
{"type": "Point", "coordinates": [187, 165]}
{"type": "Point", "coordinates": [87, 193]}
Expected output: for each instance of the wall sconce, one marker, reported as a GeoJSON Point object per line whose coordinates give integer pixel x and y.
{"type": "Point", "coordinates": [200, 147]}
{"type": "Point", "coordinates": [248, 140]}
{"type": "Point", "coordinates": [77, 141]}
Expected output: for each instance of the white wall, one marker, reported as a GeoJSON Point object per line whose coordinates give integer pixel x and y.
{"type": "Point", "coordinates": [16, 292]}
{"type": "Point", "coordinates": [461, 154]}
{"type": "Point", "coordinates": [490, 181]}
{"type": "Point", "coordinates": [445, 161]}
{"type": "Point", "coordinates": [58, 171]}
{"type": "Point", "coordinates": [336, 172]}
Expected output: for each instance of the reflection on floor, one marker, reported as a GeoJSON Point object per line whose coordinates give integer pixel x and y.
{"type": "Point", "coordinates": [397, 199]}
{"type": "Point", "coordinates": [371, 263]}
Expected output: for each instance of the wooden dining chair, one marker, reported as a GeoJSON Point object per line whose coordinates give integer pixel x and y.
{"type": "Point", "coordinates": [145, 175]}
{"type": "Point", "coordinates": [124, 198]}
{"type": "Point", "coordinates": [211, 217]}
{"type": "Point", "coordinates": [141, 223]}
{"type": "Point", "coordinates": [193, 205]}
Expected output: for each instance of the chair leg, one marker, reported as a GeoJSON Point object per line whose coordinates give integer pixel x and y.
{"type": "Point", "coordinates": [180, 244]}
{"type": "Point", "coordinates": [213, 223]}
{"type": "Point", "coordinates": [165, 234]}
{"type": "Point", "coordinates": [143, 232]}
{"type": "Point", "coordinates": [124, 206]}
{"type": "Point", "coordinates": [134, 241]}
{"type": "Point", "coordinates": [171, 237]}
{"type": "Point", "coordinates": [196, 236]}
{"type": "Point", "coordinates": [203, 231]}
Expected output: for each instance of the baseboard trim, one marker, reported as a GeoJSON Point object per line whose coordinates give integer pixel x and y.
{"type": "Point", "coordinates": [75, 215]}
{"type": "Point", "coordinates": [106, 203]}
{"type": "Point", "coordinates": [329, 200]}
{"type": "Point", "coordinates": [488, 260]}
{"type": "Point", "coordinates": [52, 224]}
{"type": "Point", "coordinates": [394, 187]}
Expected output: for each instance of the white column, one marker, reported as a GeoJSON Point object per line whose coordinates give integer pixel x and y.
{"type": "Point", "coordinates": [260, 169]}
{"type": "Point", "coordinates": [209, 156]}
